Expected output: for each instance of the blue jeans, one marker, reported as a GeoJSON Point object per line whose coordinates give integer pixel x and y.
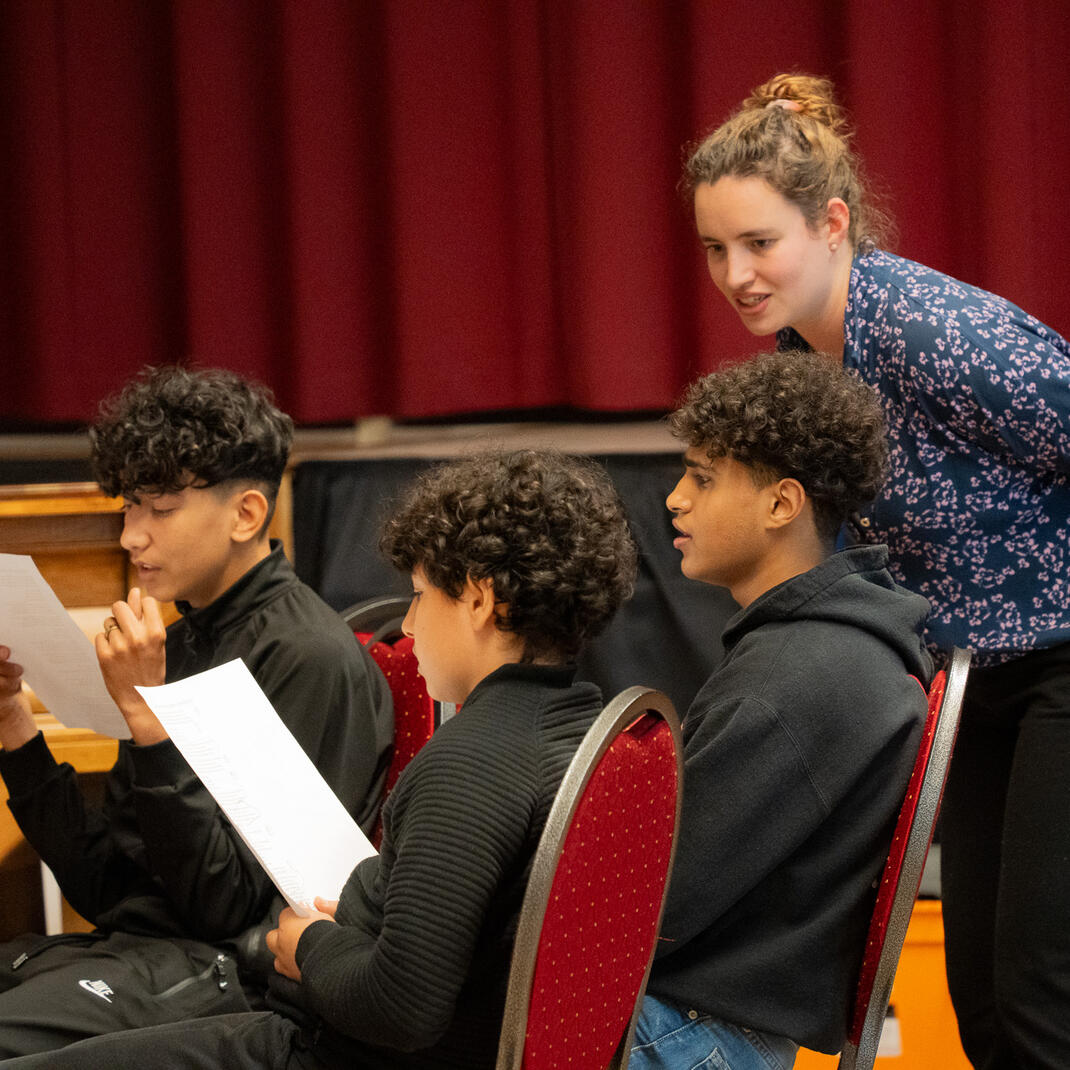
{"type": "Point", "coordinates": [669, 1037]}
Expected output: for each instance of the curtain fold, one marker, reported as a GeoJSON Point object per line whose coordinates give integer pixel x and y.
{"type": "Point", "coordinates": [428, 209]}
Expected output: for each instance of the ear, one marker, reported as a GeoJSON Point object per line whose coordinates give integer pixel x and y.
{"type": "Point", "coordinates": [250, 512]}
{"type": "Point", "coordinates": [478, 596]}
{"type": "Point", "coordinates": [787, 502]}
{"type": "Point", "coordinates": [838, 221]}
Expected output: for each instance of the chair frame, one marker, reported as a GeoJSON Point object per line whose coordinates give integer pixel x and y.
{"type": "Point", "coordinates": [620, 713]}
{"type": "Point", "coordinates": [861, 1056]}
{"type": "Point", "coordinates": [382, 616]}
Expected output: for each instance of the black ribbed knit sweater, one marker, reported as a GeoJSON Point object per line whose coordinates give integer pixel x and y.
{"type": "Point", "coordinates": [414, 973]}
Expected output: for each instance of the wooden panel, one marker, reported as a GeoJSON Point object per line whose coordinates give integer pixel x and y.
{"type": "Point", "coordinates": [91, 576]}
{"type": "Point", "coordinates": [55, 499]}
{"type": "Point", "coordinates": [35, 532]}
{"type": "Point", "coordinates": [85, 750]}
{"type": "Point", "coordinates": [72, 533]}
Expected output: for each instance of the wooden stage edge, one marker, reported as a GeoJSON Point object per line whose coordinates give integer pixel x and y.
{"type": "Point", "coordinates": [377, 436]}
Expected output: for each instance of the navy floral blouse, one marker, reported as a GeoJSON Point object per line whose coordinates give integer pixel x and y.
{"type": "Point", "coordinates": [976, 509]}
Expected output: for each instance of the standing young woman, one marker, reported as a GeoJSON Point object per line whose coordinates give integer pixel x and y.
{"type": "Point", "coordinates": [976, 512]}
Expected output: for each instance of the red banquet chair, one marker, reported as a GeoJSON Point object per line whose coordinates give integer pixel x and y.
{"type": "Point", "coordinates": [376, 622]}
{"type": "Point", "coordinates": [593, 904]}
{"type": "Point", "coordinates": [906, 860]}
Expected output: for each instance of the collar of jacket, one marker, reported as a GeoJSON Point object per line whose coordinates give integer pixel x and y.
{"type": "Point", "coordinates": [266, 578]}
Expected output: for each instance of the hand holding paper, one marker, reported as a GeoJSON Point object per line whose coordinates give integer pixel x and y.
{"type": "Point", "coordinates": [131, 651]}
{"type": "Point", "coordinates": [326, 906]}
{"type": "Point", "coordinates": [56, 659]}
{"type": "Point", "coordinates": [16, 720]}
{"type": "Point", "coordinates": [282, 942]}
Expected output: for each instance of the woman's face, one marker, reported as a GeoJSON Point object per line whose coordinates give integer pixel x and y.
{"type": "Point", "coordinates": [775, 270]}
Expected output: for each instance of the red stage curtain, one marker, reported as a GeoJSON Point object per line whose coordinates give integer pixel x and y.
{"type": "Point", "coordinates": [435, 207]}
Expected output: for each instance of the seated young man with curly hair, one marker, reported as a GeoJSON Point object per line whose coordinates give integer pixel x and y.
{"type": "Point", "coordinates": [198, 456]}
{"type": "Point", "coordinates": [516, 560]}
{"type": "Point", "coordinates": [799, 747]}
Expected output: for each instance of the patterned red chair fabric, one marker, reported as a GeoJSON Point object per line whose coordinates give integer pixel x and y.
{"type": "Point", "coordinates": [415, 717]}
{"type": "Point", "coordinates": [906, 860]}
{"type": "Point", "coordinates": [377, 624]}
{"type": "Point", "coordinates": [593, 905]}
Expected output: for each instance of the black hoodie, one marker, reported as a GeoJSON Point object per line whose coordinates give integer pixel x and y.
{"type": "Point", "coordinates": [798, 750]}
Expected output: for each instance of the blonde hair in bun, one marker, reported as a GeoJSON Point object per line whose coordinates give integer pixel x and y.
{"type": "Point", "coordinates": [814, 97]}
{"type": "Point", "coordinates": [792, 132]}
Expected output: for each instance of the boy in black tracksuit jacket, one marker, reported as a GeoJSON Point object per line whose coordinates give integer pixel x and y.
{"type": "Point", "coordinates": [516, 559]}
{"type": "Point", "coordinates": [158, 868]}
{"type": "Point", "coordinates": [799, 747]}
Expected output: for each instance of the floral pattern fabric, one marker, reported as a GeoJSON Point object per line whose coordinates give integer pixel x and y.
{"type": "Point", "coordinates": [976, 508]}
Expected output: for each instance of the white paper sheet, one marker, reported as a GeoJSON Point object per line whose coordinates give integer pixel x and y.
{"type": "Point", "coordinates": [58, 662]}
{"type": "Point", "coordinates": [264, 782]}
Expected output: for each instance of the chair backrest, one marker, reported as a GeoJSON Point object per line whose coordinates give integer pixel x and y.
{"type": "Point", "coordinates": [377, 618]}
{"type": "Point", "coordinates": [591, 912]}
{"type": "Point", "coordinates": [906, 860]}
{"type": "Point", "coordinates": [377, 623]}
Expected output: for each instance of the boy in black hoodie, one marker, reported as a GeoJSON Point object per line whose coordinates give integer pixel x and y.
{"type": "Point", "coordinates": [800, 746]}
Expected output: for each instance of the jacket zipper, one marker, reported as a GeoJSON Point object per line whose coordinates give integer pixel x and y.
{"type": "Point", "coordinates": [58, 940]}
{"type": "Point", "coordinates": [218, 969]}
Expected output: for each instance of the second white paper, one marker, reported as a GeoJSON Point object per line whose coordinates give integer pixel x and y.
{"type": "Point", "coordinates": [58, 661]}
{"type": "Point", "coordinates": [274, 796]}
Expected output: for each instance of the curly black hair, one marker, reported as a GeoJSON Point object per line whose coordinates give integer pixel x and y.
{"type": "Point", "coordinates": [549, 531]}
{"type": "Point", "coordinates": [171, 427]}
{"type": "Point", "coordinates": [793, 414]}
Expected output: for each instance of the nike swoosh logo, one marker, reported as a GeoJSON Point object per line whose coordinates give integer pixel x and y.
{"type": "Point", "coordinates": [97, 988]}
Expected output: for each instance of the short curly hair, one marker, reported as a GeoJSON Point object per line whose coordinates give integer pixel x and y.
{"type": "Point", "coordinates": [171, 427]}
{"type": "Point", "coordinates": [548, 530]}
{"type": "Point", "coordinates": [793, 414]}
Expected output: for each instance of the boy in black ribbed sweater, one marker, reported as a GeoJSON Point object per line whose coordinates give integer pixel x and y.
{"type": "Point", "coordinates": [516, 560]}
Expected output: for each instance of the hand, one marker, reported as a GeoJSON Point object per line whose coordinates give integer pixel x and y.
{"type": "Point", "coordinates": [16, 721]}
{"type": "Point", "coordinates": [282, 942]}
{"type": "Point", "coordinates": [325, 906]}
{"type": "Point", "coordinates": [131, 651]}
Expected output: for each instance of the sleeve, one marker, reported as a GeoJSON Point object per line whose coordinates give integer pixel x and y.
{"type": "Point", "coordinates": [745, 782]}
{"type": "Point", "coordinates": [336, 702]}
{"type": "Point", "coordinates": [91, 851]}
{"type": "Point", "coordinates": [212, 879]}
{"type": "Point", "coordinates": [987, 373]}
{"type": "Point", "coordinates": [836, 724]}
{"type": "Point", "coordinates": [391, 973]}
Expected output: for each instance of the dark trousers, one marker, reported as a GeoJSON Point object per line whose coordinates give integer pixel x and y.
{"type": "Point", "coordinates": [254, 1041]}
{"type": "Point", "coordinates": [1005, 865]}
{"type": "Point", "coordinates": [56, 991]}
